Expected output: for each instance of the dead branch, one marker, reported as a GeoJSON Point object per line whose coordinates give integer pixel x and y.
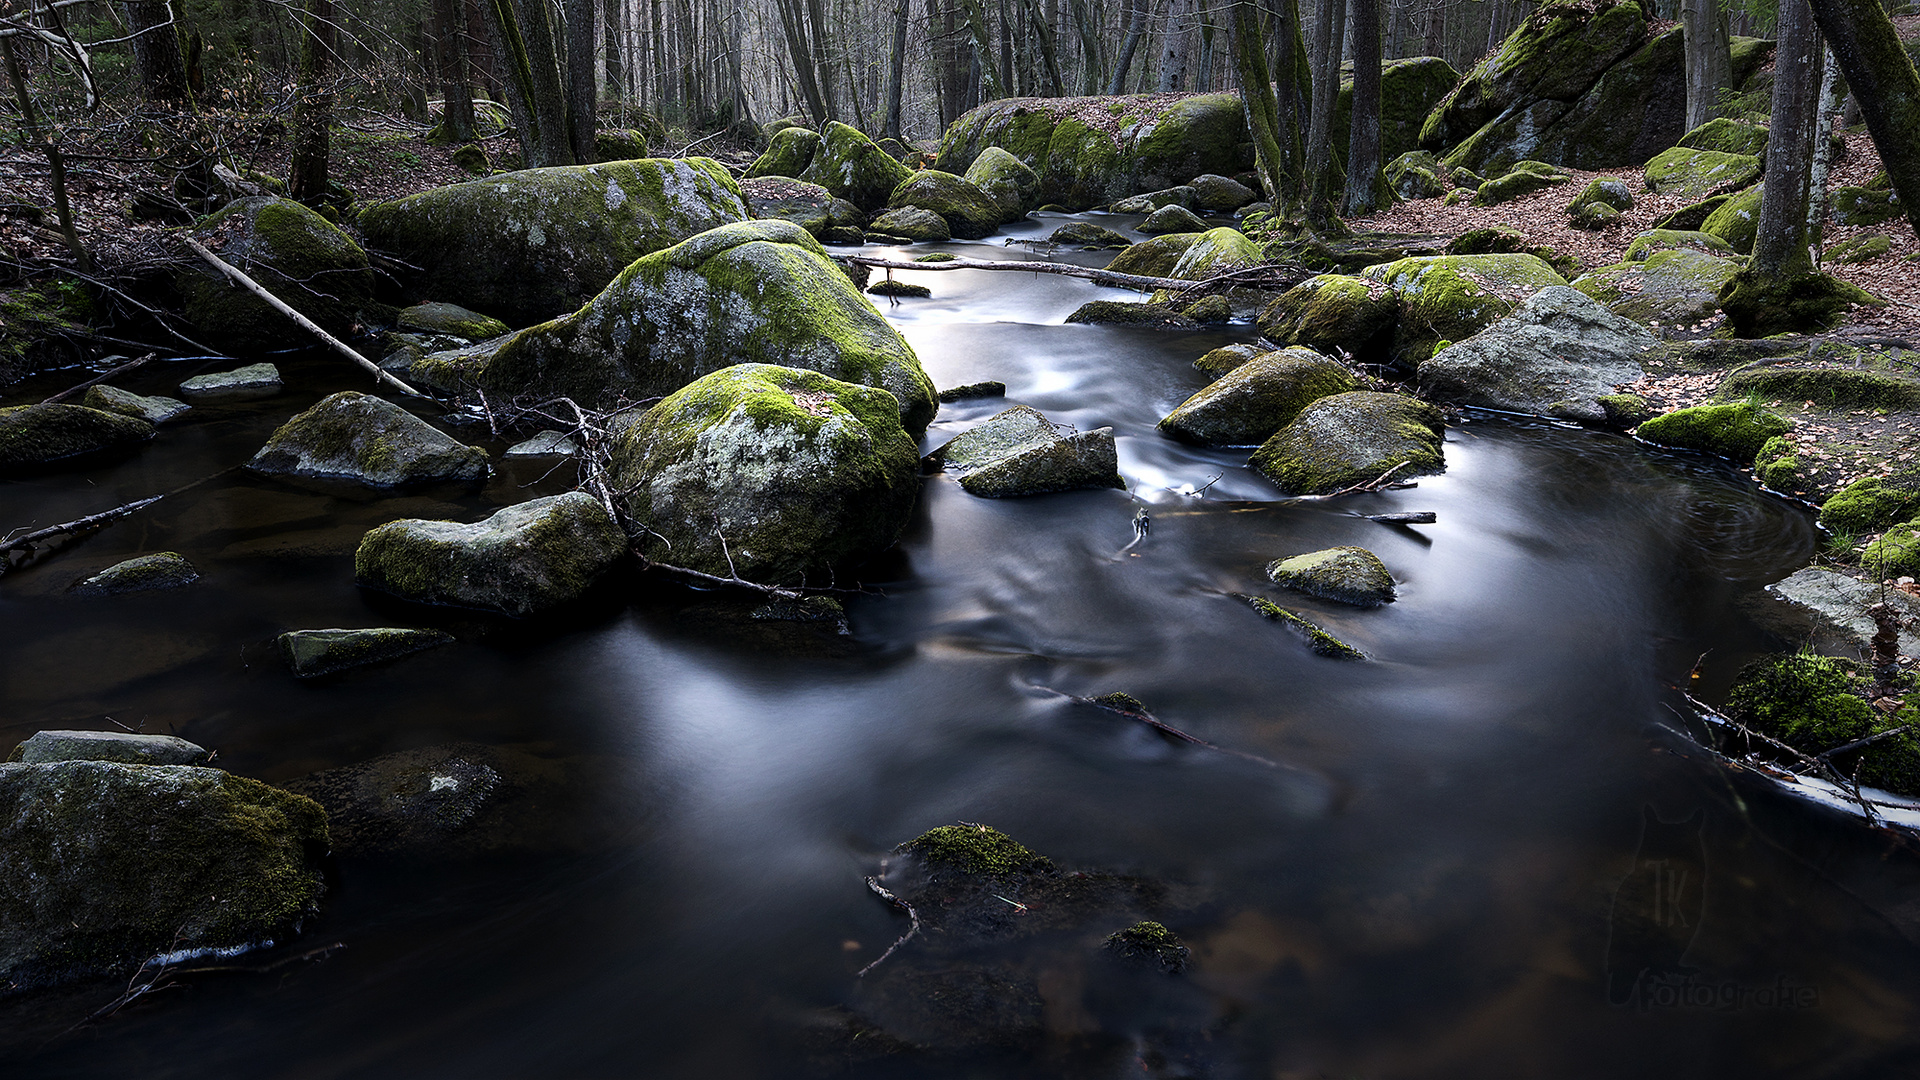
{"type": "Point", "coordinates": [1159, 725]}
{"type": "Point", "coordinates": [77, 526]}
{"type": "Point", "coordinates": [1137, 282]}
{"type": "Point", "coordinates": [302, 321]}
{"type": "Point", "coordinates": [121, 370]}
{"type": "Point", "coordinates": [882, 892]}
{"type": "Point", "coordinates": [1417, 517]}
{"type": "Point", "coordinates": [1816, 764]}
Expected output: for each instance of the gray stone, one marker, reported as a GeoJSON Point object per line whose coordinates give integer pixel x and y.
{"type": "Point", "coordinates": [1353, 438]}
{"type": "Point", "coordinates": [1247, 405]}
{"type": "Point", "coordinates": [1671, 290]}
{"type": "Point", "coordinates": [913, 223]}
{"type": "Point", "coordinates": [367, 440]}
{"type": "Point", "coordinates": [1018, 451]}
{"type": "Point", "coordinates": [125, 747]}
{"type": "Point", "coordinates": [1180, 195]}
{"type": "Point", "coordinates": [32, 436]}
{"type": "Point", "coordinates": [809, 206]}
{"type": "Point", "coordinates": [984, 389]}
{"type": "Point", "coordinates": [244, 383]}
{"type": "Point", "coordinates": [522, 560]}
{"type": "Point", "coordinates": [1087, 234]}
{"type": "Point", "coordinates": [1831, 609]}
{"type": "Point", "coordinates": [323, 652]}
{"type": "Point", "coordinates": [154, 410]}
{"type": "Point", "coordinates": [163, 570]}
{"type": "Point", "coordinates": [1172, 218]}
{"type": "Point", "coordinates": [1553, 356]}
{"type": "Point", "coordinates": [452, 320]}
{"type": "Point", "coordinates": [1220, 194]}
{"type": "Point", "coordinates": [545, 444]}
{"type": "Point", "coordinates": [1348, 575]}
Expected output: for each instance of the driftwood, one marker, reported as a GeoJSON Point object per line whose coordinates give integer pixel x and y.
{"type": "Point", "coordinates": [1126, 706]}
{"type": "Point", "coordinates": [305, 323]}
{"type": "Point", "coordinates": [1267, 275]}
{"type": "Point", "coordinates": [75, 527]}
{"type": "Point", "coordinates": [1416, 517]}
{"type": "Point", "coordinates": [122, 369]}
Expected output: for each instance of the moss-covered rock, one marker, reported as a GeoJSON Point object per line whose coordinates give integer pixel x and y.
{"type": "Point", "coordinates": [450, 320]}
{"type": "Point", "coordinates": [1346, 575]}
{"type": "Point", "coordinates": [1608, 191]}
{"type": "Point", "coordinates": [1181, 195]}
{"type": "Point", "coordinates": [1149, 943]}
{"type": "Point", "coordinates": [1865, 206]}
{"type": "Point", "coordinates": [1172, 218]}
{"type": "Point", "coordinates": [522, 560]}
{"type": "Point", "coordinates": [1007, 180]}
{"type": "Point", "coordinates": [788, 154]}
{"type": "Point", "coordinates": [912, 223]}
{"type": "Point", "coordinates": [161, 570]}
{"type": "Point", "coordinates": [533, 244]}
{"type": "Point", "coordinates": [1333, 311]}
{"type": "Point", "coordinates": [1729, 137]}
{"type": "Point", "coordinates": [1737, 430]}
{"type": "Point", "coordinates": [108, 864]}
{"type": "Point", "coordinates": [311, 653]}
{"type": "Point", "coordinates": [853, 168]}
{"type": "Point", "coordinates": [32, 436]}
{"type": "Point", "coordinates": [1696, 174]}
{"type": "Point", "coordinates": [472, 159]}
{"type": "Point", "coordinates": [1156, 257]}
{"type": "Point", "coordinates": [1692, 216]}
{"type": "Point", "coordinates": [1761, 306]}
{"type": "Point", "coordinates": [1496, 240]}
{"type": "Point", "coordinates": [969, 212]}
{"type": "Point", "coordinates": [1217, 362]}
{"type": "Point", "coordinates": [1126, 313]}
{"type": "Point", "coordinates": [367, 440]}
{"type": "Point", "coordinates": [1818, 703]}
{"type": "Point", "coordinates": [1625, 411]}
{"type": "Point", "coordinates": [33, 319]}
{"type": "Point", "coordinates": [781, 475]}
{"type": "Point", "coordinates": [125, 747]}
{"type": "Point", "coordinates": [1410, 87]}
{"type": "Point", "coordinates": [1453, 297]}
{"type": "Point", "coordinates": [1514, 185]}
{"type": "Point", "coordinates": [1736, 220]}
{"type": "Point", "coordinates": [1632, 112]}
{"type": "Point", "coordinates": [1896, 553]}
{"type": "Point", "coordinates": [294, 253]}
{"type": "Point", "coordinates": [1554, 356]}
{"type": "Point", "coordinates": [1826, 387]}
{"type": "Point", "coordinates": [1871, 504]}
{"type": "Point", "coordinates": [1220, 194]}
{"type": "Point", "coordinates": [1217, 251]}
{"type": "Point", "coordinates": [1215, 310]}
{"type": "Point", "coordinates": [1018, 451]}
{"type": "Point", "coordinates": [1860, 249]}
{"type": "Point", "coordinates": [1321, 642]}
{"type": "Point", "coordinates": [1670, 290]}
{"type": "Point", "coordinates": [1594, 217]}
{"type": "Point", "coordinates": [240, 384]}
{"type": "Point", "coordinates": [1257, 398]}
{"type": "Point", "coordinates": [975, 849]}
{"type": "Point", "coordinates": [1777, 465]}
{"type": "Point", "coordinates": [809, 206]}
{"type": "Point", "coordinates": [1657, 240]}
{"type": "Point", "coordinates": [1415, 174]}
{"type": "Point", "coordinates": [154, 410]}
{"type": "Point", "coordinates": [760, 292]}
{"type": "Point", "coordinates": [1352, 438]}
{"type": "Point", "coordinates": [1088, 235]}
{"type": "Point", "coordinates": [896, 289]}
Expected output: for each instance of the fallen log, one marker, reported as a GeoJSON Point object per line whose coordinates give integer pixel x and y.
{"type": "Point", "coordinates": [1267, 275]}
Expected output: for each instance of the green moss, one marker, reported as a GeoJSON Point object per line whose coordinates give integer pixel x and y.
{"type": "Point", "coordinates": [1834, 388]}
{"type": "Point", "coordinates": [1453, 297]}
{"type": "Point", "coordinates": [1761, 306]}
{"type": "Point", "coordinates": [1156, 257]}
{"type": "Point", "coordinates": [1736, 431]}
{"type": "Point", "coordinates": [33, 316]}
{"type": "Point", "coordinates": [899, 288]}
{"type": "Point", "coordinates": [1334, 311]}
{"type": "Point", "coordinates": [1120, 701]}
{"type": "Point", "coordinates": [1736, 220]}
{"type": "Point", "coordinates": [1318, 640]}
{"type": "Point", "coordinates": [1776, 465]}
{"type": "Point", "coordinates": [1818, 703]}
{"type": "Point", "coordinates": [1696, 174]}
{"type": "Point", "coordinates": [936, 257]}
{"type": "Point", "coordinates": [1729, 137]}
{"type": "Point", "coordinates": [1348, 575]}
{"type": "Point", "coordinates": [1657, 240]}
{"type": "Point", "coordinates": [1866, 206]}
{"type": "Point", "coordinates": [969, 212]}
{"type": "Point", "coordinates": [977, 849]}
{"type": "Point", "coordinates": [1871, 504]}
{"type": "Point", "coordinates": [1625, 410]}
{"type": "Point", "coordinates": [1512, 186]}
{"type": "Point", "coordinates": [1860, 249]}
{"type": "Point", "coordinates": [1149, 941]}
{"type": "Point", "coordinates": [34, 435]}
{"type": "Point", "coordinates": [1488, 241]}
{"type": "Point", "coordinates": [1245, 406]}
{"type": "Point", "coordinates": [1352, 438]}
{"type": "Point", "coordinates": [1216, 251]}
{"type": "Point", "coordinates": [1896, 553]}
{"type": "Point", "coordinates": [1555, 54]}
{"type": "Point", "coordinates": [294, 253]}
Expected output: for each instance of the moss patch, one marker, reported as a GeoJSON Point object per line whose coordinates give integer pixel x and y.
{"type": "Point", "coordinates": [977, 849]}
{"type": "Point", "coordinates": [1736, 431]}
{"type": "Point", "coordinates": [1318, 640]}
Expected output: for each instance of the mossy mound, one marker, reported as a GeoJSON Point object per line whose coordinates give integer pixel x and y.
{"type": "Point", "coordinates": [1871, 504]}
{"type": "Point", "coordinates": [809, 206]}
{"type": "Point", "coordinates": [1670, 290]}
{"type": "Point", "coordinates": [109, 864]}
{"type": "Point", "coordinates": [154, 410]}
{"type": "Point", "coordinates": [1415, 174]}
{"type": "Point", "coordinates": [1736, 220]}
{"type": "Point", "coordinates": [848, 164]}
{"type": "Point", "coordinates": [32, 320]}
{"type": "Point", "coordinates": [1346, 575]}
{"type": "Point", "coordinates": [619, 144]}
{"type": "Point", "coordinates": [1127, 313]}
{"type": "Point", "coordinates": [1693, 216]}
{"type": "Point", "coordinates": [1777, 465]}
{"type": "Point", "coordinates": [1217, 251]}
{"type": "Point", "coordinates": [1257, 398]}
{"type": "Point", "coordinates": [1696, 174]}
{"type": "Point", "coordinates": [897, 289]}
{"type": "Point", "coordinates": [1810, 303]}
{"type": "Point", "coordinates": [914, 224]}
{"type": "Point", "coordinates": [1172, 218]}
{"type": "Point", "coordinates": [1218, 362]}
{"type": "Point", "coordinates": [32, 436]}
{"type": "Point", "coordinates": [1860, 249]}
{"type": "Point", "coordinates": [1156, 257]}
{"type": "Point", "coordinates": [1866, 206]}
{"type": "Point", "coordinates": [778, 474]}
{"type": "Point", "coordinates": [1321, 642]}
{"type": "Point", "coordinates": [452, 320]}
{"type": "Point", "coordinates": [533, 244]}
{"type": "Point", "coordinates": [1831, 388]}
{"type": "Point", "coordinates": [1353, 438]}
{"type": "Point", "coordinates": [1151, 943]}
{"type": "Point", "coordinates": [759, 292]}
{"type": "Point", "coordinates": [969, 212]}
{"type": "Point", "coordinates": [1333, 311]}
{"type": "Point", "coordinates": [311, 653]}
{"type": "Point", "coordinates": [472, 159]}
{"type": "Point", "coordinates": [788, 154]}
{"type": "Point", "coordinates": [1007, 180]}
{"type": "Point", "coordinates": [293, 253]}
{"type": "Point", "coordinates": [1496, 240]}
{"type": "Point", "coordinates": [1594, 217]}
{"type": "Point", "coordinates": [1087, 234]}
{"type": "Point", "coordinates": [1728, 137]}
{"type": "Point", "coordinates": [522, 560]}
{"type": "Point", "coordinates": [1220, 194]}
{"type": "Point", "coordinates": [1657, 240]}
{"type": "Point", "coordinates": [367, 440]}
{"type": "Point", "coordinates": [1735, 431]}
{"type": "Point", "coordinates": [1514, 185]}
{"type": "Point", "coordinates": [1896, 553]}
{"type": "Point", "coordinates": [1818, 703]}
{"type": "Point", "coordinates": [161, 570]}
{"type": "Point", "coordinates": [1453, 297]}
{"type": "Point", "coordinates": [975, 849]}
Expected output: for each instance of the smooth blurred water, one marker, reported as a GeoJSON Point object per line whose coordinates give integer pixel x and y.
{"type": "Point", "coordinates": [1424, 887]}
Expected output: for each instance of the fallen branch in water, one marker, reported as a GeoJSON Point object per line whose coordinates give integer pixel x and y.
{"type": "Point", "coordinates": [302, 321]}
{"type": "Point", "coordinates": [882, 892]}
{"type": "Point", "coordinates": [1818, 764]}
{"type": "Point", "coordinates": [82, 526]}
{"type": "Point", "coordinates": [121, 370]}
{"type": "Point", "coordinates": [1266, 275]}
{"type": "Point", "coordinates": [1129, 707]}
{"type": "Point", "coordinates": [1417, 517]}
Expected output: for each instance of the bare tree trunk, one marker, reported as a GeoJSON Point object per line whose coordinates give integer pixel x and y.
{"type": "Point", "coordinates": [583, 83]}
{"type": "Point", "coordinates": [1780, 244]}
{"type": "Point", "coordinates": [1275, 149]}
{"type": "Point", "coordinates": [1092, 55]}
{"type": "Point", "coordinates": [800, 49]}
{"type": "Point", "coordinates": [1049, 56]}
{"type": "Point", "coordinates": [1324, 180]}
{"type": "Point", "coordinates": [1176, 49]}
{"type": "Point", "coordinates": [56, 161]}
{"type": "Point", "coordinates": [1366, 185]}
{"type": "Point", "coordinates": [1885, 84]}
{"type": "Point", "coordinates": [1436, 37]}
{"type": "Point", "coordinates": [313, 106]}
{"type": "Point", "coordinates": [456, 117]}
{"type": "Point", "coordinates": [523, 37]}
{"type": "Point", "coordinates": [1828, 108]}
{"type": "Point", "coordinates": [1006, 48]}
{"type": "Point", "coordinates": [156, 49]}
{"type": "Point", "coordinates": [823, 65]}
{"type": "Point", "coordinates": [1136, 30]}
{"type": "Point", "coordinates": [897, 69]}
{"type": "Point", "coordinates": [1709, 60]}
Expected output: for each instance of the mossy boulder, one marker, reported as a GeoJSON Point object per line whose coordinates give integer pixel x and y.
{"type": "Point", "coordinates": [1496, 240]}
{"type": "Point", "coordinates": [1609, 191]}
{"type": "Point", "coordinates": [1415, 174]}
{"type": "Point", "coordinates": [311, 653]}
{"type": "Point", "coordinates": [33, 436]}
{"type": "Point", "coordinates": [1410, 87]}
{"type": "Point", "coordinates": [125, 747]}
{"type": "Point", "coordinates": [293, 253]}
{"type": "Point", "coordinates": [161, 570]}
{"type": "Point", "coordinates": [1217, 362]}
{"type": "Point", "coordinates": [1217, 251]}
{"type": "Point", "coordinates": [1871, 504]}
{"type": "Point", "coordinates": [1513, 186]}
{"type": "Point", "coordinates": [1353, 438]}
{"type": "Point", "coordinates": [1777, 465]}
{"type": "Point", "coordinates": [1087, 234]}
{"type": "Point", "coordinates": [809, 206]}
{"type": "Point", "coordinates": [1018, 451]}
{"type": "Point", "coordinates": [1257, 398]}
{"type": "Point", "coordinates": [1736, 220]}
{"type": "Point", "coordinates": [1656, 240]}
{"type": "Point", "coordinates": [1693, 216]}
{"type": "Point", "coordinates": [1554, 356]}
{"type": "Point", "coordinates": [781, 475]}
{"type": "Point", "coordinates": [246, 383]}
{"type": "Point", "coordinates": [1896, 553]}
{"type": "Point", "coordinates": [760, 292]}
{"type": "Point", "coordinates": [33, 319]}
{"type": "Point", "coordinates": [788, 154]}
{"type": "Point", "coordinates": [1149, 943]}
{"type": "Point", "coordinates": [1865, 206]}
{"type": "Point", "coordinates": [619, 144]}
{"type": "Point", "coordinates": [1178, 195]}
{"type": "Point", "coordinates": [1860, 249]}
{"type": "Point", "coordinates": [367, 440]}
{"type": "Point", "coordinates": [1813, 302]}
{"type": "Point", "coordinates": [853, 168]}
{"type": "Point", "coordinates": [912, 223]}
{"type": "Point", "coordinates": [1668, 291]}
{"type": "Point", "coordinates": [104, 865]}
{"type": "Point", "coordinates": [1594, 217]}
{"type": "Point", "coordinates": [975, 849]}
{"type": "Point", "coordinates": [1737, 430]}
{"type": "Point", "coordinates": [1453, 297]}
{"type": "Point", "coordinates": [471, 158]}
{"type": "Point", "coordinates": [1346, 575]}
{"type": "Point", "coordinates": [1826, 387]}
{"type": "Point", "coordinates": [969, 212]}
{"type": "Point", "coordinates": [1690, 174]}
{"type": "Point", "coordinates": [1156, 257]}
{"type": "Point", "coordinates": [154, 410]}
{"type": "Point", "coordinates": [1126, 313]}
{"type": "Point", "coordinates": [1729, 137]}
{"type": "Point", "coordinates": [1636, 109]}
{"type": "Point", "coordinates": [1818, 703]}
{"type": "Point", "coordinates": [1008, 181]}
{"type": "Point", "coordinates": [1220, 194]}
{"type": "Point", "coordinates": [1334, 311]}
{"type": "Point", "coordinates": [1172, 218]}
{"type": "Point", "coordinates": [533, 244]}
{"type": "Point", "coordinates": [450, 320]}
{"type": "Point", "coordinates": [520, 561]}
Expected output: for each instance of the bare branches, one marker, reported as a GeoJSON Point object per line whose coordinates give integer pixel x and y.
{"type": "Point", "coordinates": [883, 893]}
{"type": "Point", "coordinates": [100, 378]}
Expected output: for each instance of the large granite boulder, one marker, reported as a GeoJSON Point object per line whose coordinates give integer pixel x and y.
{"type": "Point", "coordinates": [1334, 311]}
{"type": "Point", "coordinates": [35, 436]}
{"type": "Point", "coordinates": [1245, 406]}
{"type": "Point", "coordinates": [1699, 174]}
{"type": "Point", "coordinates": [1353, 438]}
{"type": "Point", "coordinates": [1553, 356]}
{"type": "Point", "coordinates": [1668, 291]}
{"type": "Point", "coordinates": [1156, 257]}
{"type": "Point", "coordinates": [1214, 252]}
{"type": "Point", "coordinates": [1008, 181]}
{"type": "Point", "coordinates": [1448, 298]}
{"type": "Point", "coordinates": [522, 560]}
{"type": "Point", "coordinates": [761, 292]}
{"type": "Point", "coordinates": [294, 253]}
{"type": "Point", "coordinates": [104, 865]}
{"type": "Point", "coordinates": [1018, 451]}
{"type": "Point", "coordinates": [780, 475]}
{"type": "Point", "coordinates": [1410, 88]}
{"type": "Point", "coordinates": [809, 206]}
{"type": "Point", "coordinates": [849, 165]}
{"type": "Point", "coordinates": [1736, 220]}
{"type": "Point", "coordinates": [537, 243]}
{"type": "Point", "coordinates": [367, 440]}
{"type": "Point", "coordinates": [969, 212]}
{"type": "Point", "coordinates": [788, 154]}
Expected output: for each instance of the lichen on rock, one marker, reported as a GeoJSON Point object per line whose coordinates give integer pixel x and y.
{"type": "Point", "coordinates": [1453, 297]}
{"type": "Point", "coordinates": [293, 253]}
{"type": "Point", "coordinates": [367, 440]}
{"type": "Point", "coordinates": [1353, 438]}
{"type": "Point", "coordinates": [161, 570]}
{"type": "Point", "coordinates": [35, 436]}
{"type": "Point", "coordinates": [1257, 398]}
{"type": "Point", "coordinates": [1018, 451]}
{"type": "Point", "coordinates": [969, 212]}
{"type": "Point", "coordinates": [1347, 575]}
{"type": "Point", "coordinates": [848, 164]}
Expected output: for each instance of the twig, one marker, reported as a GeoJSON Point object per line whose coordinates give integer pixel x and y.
{"type": "Point", "coordinates": [77, 525]}
{"type": "Point", "coordinates": [882, 892]}
{"type": "Point", "coordinates": [121, 370]}
{"type": "Point", "coordinates": [1819, 764]}
{"type": "Point", "coordinates": [1138, 282]}
{"type": "Point", "coordinates": [1161, 726]}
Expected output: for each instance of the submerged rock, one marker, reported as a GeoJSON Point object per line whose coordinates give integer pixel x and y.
{"type": "Point", "coordinates": [968, 391]}
{"type": "Point", "coordinates": [1018, 451]}
{"type": "Point", "coordinates": [545, 444]}
{"type": "Point", "coordinates": [240, 384]}
{"type": "Point", "coordinates": [1318, 640]}
{"type": "Point", "coordinates": [1333, 311]}
{"type": "Point", "coordinates": [37, 435]}
{"type": "Point", "coordinates": [1087, 234]}
{"type": "Point", "coordinates": [125, 747]}
{"type": "Point", "coordinates": [367, 440]}
{"type": "Point", "coordinates": [780, 475]}
{"type": "Point", "coordinates": [1348, 575]}
{"type": "Point", "coordinates": [522, 560]}
{"type": "Point", "coordinates": [1353, 438]}
{"type": "Point", "coordinates": [323, 652]}
{"type": "Point", "coordinates": [1127, 313]}
{"type": "Point", "coordinates": [1257, 398]}
{"type": "Point", "coordinates": [162, 570]}
{"type": "Point", "coordinates": [451, 320]}
{"type": "Point", "coordinates": [1553, 357]}
{"type": "Point", "coordinates": [154, 410]}
{"type": "Point", "coordinates": [108, 864]}
{"type": "Point", "coordinates": [293, 253]}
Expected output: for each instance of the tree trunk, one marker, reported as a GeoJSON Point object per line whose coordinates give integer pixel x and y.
{"type": "Point", "coordinates": [897, 70]}
{"type": "Point", "coordinates": [312, 105]}
{"type": "Point", "coordinates": [822, 60]}
{"type": "Point", "coordinates": [1209, 34]}
{"type": "Point", "coordinates": [1366, 184]}
{"type": "Point", "coordinates": [1092, 55]}
{"type": "Point", "coordinates": [1324, 180]}
{"type": "Point", "coordinates": [156, 50]}
{"type": "Point", "coordinates": [1274, 149]}
{"type": "Point", "coordinates": [1436, 37]}
{"type": "Point", "coordinates": [1823, 115]}
{"type": "Point", "coordinates": [1176, 49]}
{"type": "Point", "coordinates": [1885, 84]}
{"type": "Point", "coordinates": [1006, 48]}
{"type": "Point", "coordinates": [1709, 61]}
{"type": "Point", "coordinates": [1049, 55]}
{"type": "Point", "coordinates": [978, 33]}
{"type": "Point", "coordinates": [583, 83]}
{"type": "Point", "coordinates": [800, 50]}
{"type": "Point", "coordinates": [56, 162]}
{"type": "Point", "coordinates": [456, 117]}
{"type": "Point", "coordinates": [523, 37]}
{"type": "Point", "coordinates": [1780, 242]}
{"type": "Point", "coordinates": [1136, 30]}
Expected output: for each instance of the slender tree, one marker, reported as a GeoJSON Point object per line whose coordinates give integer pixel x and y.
{"type": "Point", "coordinates": [1366, 184]}
{"type": "Point", "coordinates": [1885, 84]}
{"type": "Point", "coordinates": [897, 70]}
{"type": "Point", "coordinates": [1323, 177]}
{"type": "Point", "coordinates": [1709, 58]}
{"type": "Point", "coordinates": [1176, 45]}
{"type": "Point", "coordinates": [583, 85]}
{"type": "Point", "coordinates": [313, 105]}
{"type": "Point", "coordinates": [156, 49]}
{"type": "Point", "coordinates": [1781, 242]}
{"type": "Point", "coordinates": [1275, 150]}
{"type": "Point", "coordinates": [523, 38]}
{"type": "Point", "coordinates": [1136, 32]}
{"type": "Point", "coordinates": [456, 116]}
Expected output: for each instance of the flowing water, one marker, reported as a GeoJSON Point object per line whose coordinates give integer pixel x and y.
{"type": "Point", "coordinates": [1443, 876]}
